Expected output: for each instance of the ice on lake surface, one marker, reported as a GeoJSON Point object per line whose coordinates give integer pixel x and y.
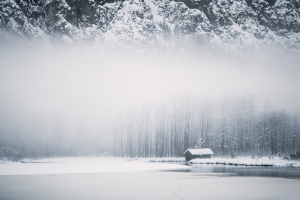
{"type": "Point", "coordinates": [275, 172]}
{"type": "Point", "coordinates": [100, 178]}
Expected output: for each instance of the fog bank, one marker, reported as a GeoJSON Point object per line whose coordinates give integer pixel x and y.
{"type": "Point", "coordinates": [53, 88]}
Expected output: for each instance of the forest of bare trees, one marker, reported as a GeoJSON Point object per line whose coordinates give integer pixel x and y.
{"type": "Point", "coordinates": [229, 126]}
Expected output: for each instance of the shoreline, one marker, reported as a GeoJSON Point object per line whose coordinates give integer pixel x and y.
{"type": "Point", "coordinates": [110, 165]}
{"type": "Point", "coordinates": [240, 161]}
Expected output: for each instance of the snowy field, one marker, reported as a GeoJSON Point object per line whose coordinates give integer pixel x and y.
{"type": "Point", "coordinates": [116, 178]}
{"type": "Point", "coordinates": [103, 165]}
{"type": "Point", "coordinates": [82, 165]}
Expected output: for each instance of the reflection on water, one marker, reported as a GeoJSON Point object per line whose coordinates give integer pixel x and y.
{"type": "Point", "coordinates": [278, 172]}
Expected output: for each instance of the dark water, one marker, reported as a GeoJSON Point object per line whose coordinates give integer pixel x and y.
{"type": "Point", "coordinates": [225, 170]}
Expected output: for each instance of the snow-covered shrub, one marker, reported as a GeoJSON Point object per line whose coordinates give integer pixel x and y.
{"type": "Point", "coordinates": [7, 153]}
{"type": "Point", "coordinates": [295, 155]}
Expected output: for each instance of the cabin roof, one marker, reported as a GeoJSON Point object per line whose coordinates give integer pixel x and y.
{"type": "Point", "coordinates": [205, 151]}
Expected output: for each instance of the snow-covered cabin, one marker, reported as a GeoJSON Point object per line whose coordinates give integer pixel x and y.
{"type": "Point", "coordinates": [190, 154]}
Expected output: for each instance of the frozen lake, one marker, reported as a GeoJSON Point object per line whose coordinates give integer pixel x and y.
{"type": "Point", "coordinates": [249, 171]}
{"type": "Point", "coordinates": [121, 179]}
{"type": "Point", "coordinates": [146, 185]}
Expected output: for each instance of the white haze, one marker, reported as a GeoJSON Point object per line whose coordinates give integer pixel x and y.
{"type": "Point", "coordinates": [92, 86]}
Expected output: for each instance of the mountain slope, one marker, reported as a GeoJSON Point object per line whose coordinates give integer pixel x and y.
{"type": "Point", "coordinates": [139, 23]}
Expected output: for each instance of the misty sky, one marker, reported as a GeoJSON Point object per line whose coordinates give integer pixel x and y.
{"type": "Point", "coordinates": [93, 85]}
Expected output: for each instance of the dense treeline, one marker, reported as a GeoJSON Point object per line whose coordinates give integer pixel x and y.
{"type": "Point", "coordinates": [229, 126]}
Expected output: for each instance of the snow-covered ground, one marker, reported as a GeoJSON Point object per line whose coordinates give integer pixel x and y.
{"type": "Point", "coordinates": [168, 159]}
{"type": "Point", "coordinates": [248, 161]}
{"type": "Point", "coordinates": [103, 165]}
{"type": "Point", "coordinates": [81, 165]}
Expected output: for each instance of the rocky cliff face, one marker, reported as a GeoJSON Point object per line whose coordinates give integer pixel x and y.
{"type": "Point", "coordinates": [138, 23]}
